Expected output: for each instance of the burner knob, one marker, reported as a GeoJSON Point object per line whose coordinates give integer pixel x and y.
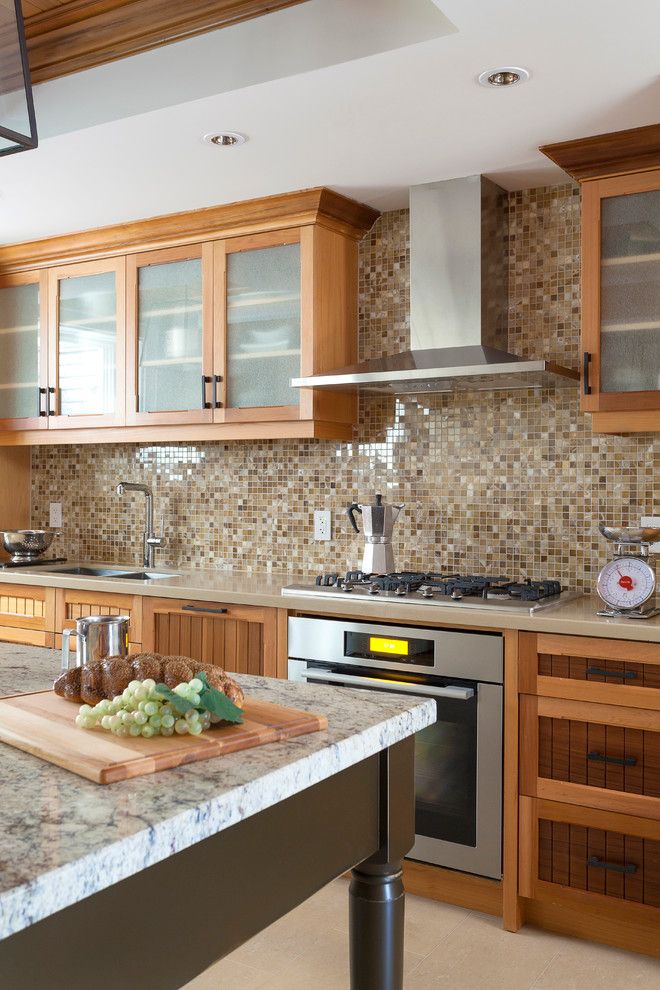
{"type": "Point", "coordinates": [456, 595]}
{"type": "Point", "coordinates": [374, 589]}
{"type": "Point", "coordinates": [347, 586]}
{"type": "Point", "coordinates": [400, 590]}
{"type": "Point", "coordinates": [427, 592]}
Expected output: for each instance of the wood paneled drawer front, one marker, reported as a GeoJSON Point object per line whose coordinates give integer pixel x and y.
{"type": "Point", "coordinates": [71, 605]}
{"type": "Point", "coordinates": [597, 755]}
{"type": "Point", "coordinates": [27, 614]}
{"type": "Point", "coordinates": [239, 638]}
{"type": "Point", "coordinates": [595, 852]}
{"type": "Point", "coordinates": [609, 671]}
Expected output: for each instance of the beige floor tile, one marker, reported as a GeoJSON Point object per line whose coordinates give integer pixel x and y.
{"type": "Point", "coordinates": [581, 965]}
{"type": "Point", "coordinates": [478, 955]}
{"type": "Point", "coordinates": [228, 973]}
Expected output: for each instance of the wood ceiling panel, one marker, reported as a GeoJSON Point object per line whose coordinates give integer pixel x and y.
{"type": "Point", "coordinates": [65, 37]}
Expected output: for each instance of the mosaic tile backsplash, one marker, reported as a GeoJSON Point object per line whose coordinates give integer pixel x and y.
{"type": "Point", "coordinates": [510, 482]}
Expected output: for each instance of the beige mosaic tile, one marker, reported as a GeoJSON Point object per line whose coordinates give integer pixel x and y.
{"type": "Point", "coordinates": [509, 482]}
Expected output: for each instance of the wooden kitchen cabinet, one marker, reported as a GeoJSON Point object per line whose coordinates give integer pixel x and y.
{"type": "Point", "coordinates": [589, 787]}
{"type": "Point", "coordinates": [239, 638]}
{"type": "Point", "coordinates": [169, 341]}
{"type": "Point", "coordinates": [23, 351]}
{"type": "Point", "coordinates": [71, 605]}
{"type": "Point", "coordinates": [620, 177]}
{"type": "Point", "coordinates": [191, 326]}
{"type": "Point", "coordinates": [27, 614]}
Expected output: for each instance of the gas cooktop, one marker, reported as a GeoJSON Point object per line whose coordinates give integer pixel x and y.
{"type": "Point", "coordinates": [419, 588]}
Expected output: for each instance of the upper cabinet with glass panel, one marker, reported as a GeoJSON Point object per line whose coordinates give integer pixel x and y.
{"type": "Point", "coordinates": [263, 332]}
{"type": "Point", "coordinates": [23, 396]}
{"type": "Point", "coordinates": [86, 360]}
{"type": "Point", "coordinates": [170, 336]}
{"type": "Point", "coordinates": [620, 177]}
{"type": "Point", "coordinates": [195, 335]}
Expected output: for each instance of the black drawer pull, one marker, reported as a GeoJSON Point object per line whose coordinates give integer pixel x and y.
{"type": "Point", "coordinates": [600, 864]}
{"type": "Point", "coordinates": [628, 675]}
{"type": "Point", "coordinates": [586, 358]}
{"type": "Point", "coordinates": [627, 761]}
{"type": "Point", "coordinates": [200, 608]}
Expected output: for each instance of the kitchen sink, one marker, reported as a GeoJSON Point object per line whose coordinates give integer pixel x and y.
{"type": "Point", "coordinates": [110, 572]}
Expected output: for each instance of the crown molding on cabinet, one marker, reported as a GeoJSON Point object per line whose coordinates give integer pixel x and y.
{"type": "Point", "coordinates": [634, 150]}
{"type": "Point", "coordinates": [71, 36]}
{"type": "Point", "coordinates": [308, 206]}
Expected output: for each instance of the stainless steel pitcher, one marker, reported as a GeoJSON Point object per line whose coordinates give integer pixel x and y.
{"type": "Point", "coordinates": [378, 522]}
{"type": "Point", "coordinates": [99, 636]}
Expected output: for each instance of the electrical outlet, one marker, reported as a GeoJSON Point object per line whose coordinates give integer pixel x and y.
{"type": "Point", "coordinates": [55, 515]}
{"type": "Point", "coordinates": [653, 522]}
{"type": "Point", "coordinates": [322, 524]}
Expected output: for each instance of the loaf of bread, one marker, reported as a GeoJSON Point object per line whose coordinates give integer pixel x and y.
{"type": "Point", "coordinates": [108, 678]}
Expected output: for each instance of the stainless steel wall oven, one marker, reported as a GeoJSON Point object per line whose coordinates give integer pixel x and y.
{"type": "Point", "coordinates": [458, 772]}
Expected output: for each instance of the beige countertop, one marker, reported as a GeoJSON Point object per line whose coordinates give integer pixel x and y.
{"type": "Point", "coordinates": [577, 617]}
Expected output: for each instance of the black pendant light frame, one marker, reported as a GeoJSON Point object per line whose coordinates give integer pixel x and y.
{"type": "Point", "coordinates": [22, 142]}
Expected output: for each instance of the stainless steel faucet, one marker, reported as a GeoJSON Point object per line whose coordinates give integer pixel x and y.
{"type": "Point", "coordinates": [150, 540]}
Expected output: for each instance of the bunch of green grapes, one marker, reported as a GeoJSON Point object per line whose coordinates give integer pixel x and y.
{"type": "Point", "coordinates": [143, 711]}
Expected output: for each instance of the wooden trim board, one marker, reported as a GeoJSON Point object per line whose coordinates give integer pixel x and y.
{"type": "Point", "coordinates": [633, 150]}
{"type": "Point", "coordinates": [294, 209]}
{"type": "Point", "coordinates": [43, 724]}
{"type": "Point", "coordinates": [81, 34]}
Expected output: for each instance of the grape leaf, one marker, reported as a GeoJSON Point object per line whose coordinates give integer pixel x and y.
{"type": "Point", "coordinates": [181, 705]}
{"type": "Point", "coordinates": [219, 704]}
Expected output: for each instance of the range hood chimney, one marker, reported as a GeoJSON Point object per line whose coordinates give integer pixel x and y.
{"type": "Point", "coordinates": [458, 303]}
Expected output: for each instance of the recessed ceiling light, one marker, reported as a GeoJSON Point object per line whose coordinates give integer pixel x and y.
{"type": "Point", "coordinates": [506, 75]}
{"type": "Point", "coordinates": [225, 139]}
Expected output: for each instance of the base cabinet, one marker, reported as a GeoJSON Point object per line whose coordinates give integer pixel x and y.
{"type": "Point", "coordinates": [27, 615]}
{"type": "Point", "coordinates": [71, 605]}
{"type": "Point", "coordinates": [241, 639]}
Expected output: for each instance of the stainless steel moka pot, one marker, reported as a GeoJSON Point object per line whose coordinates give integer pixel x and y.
{"type": "Point", "coordinates": [378, 525]}
{"type": "Point", "coordinates": [99, 636]}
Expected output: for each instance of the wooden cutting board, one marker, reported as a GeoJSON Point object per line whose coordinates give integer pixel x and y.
{"type": "Point", "coordinates": [44, 724]}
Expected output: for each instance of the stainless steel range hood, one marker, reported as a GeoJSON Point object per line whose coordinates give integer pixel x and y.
{"type": "Point", "coordinates": [458, 302]}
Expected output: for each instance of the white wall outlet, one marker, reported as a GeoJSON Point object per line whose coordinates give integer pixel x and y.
{"type": "Point", "coordinates": [55, 515]}
{"type": "Point", "coordinates": [654, 523]}
{"type": "Point", "coordinates": [322, 524]}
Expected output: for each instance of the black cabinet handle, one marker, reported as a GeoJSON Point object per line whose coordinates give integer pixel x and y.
{"type": "Point", "coordinates": [206, 379]}
{"type": "Point", "coordinates": [600, 864]}
{"type": "Point", "coordinates": [628, 675]}
{"type": "Point", "coordinates": [51, 391]}
{"type": "Point", "coordinates": [586, 358]}
{"type": "Point", "coordinates": [214, 393]}
{"type": "Point", "coordinates": [43, 410]}
{"type": "Point", "coordinates": [626, 761]}
{"type": "Point", "coordinates": [200, 608]}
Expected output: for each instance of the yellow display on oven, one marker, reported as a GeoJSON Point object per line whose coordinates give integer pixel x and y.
{"type": "Point", "coordinates": [397, 647]}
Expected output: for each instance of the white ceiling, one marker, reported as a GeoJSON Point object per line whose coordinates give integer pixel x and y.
{"type": "Point", "coordinates": [365, 96]}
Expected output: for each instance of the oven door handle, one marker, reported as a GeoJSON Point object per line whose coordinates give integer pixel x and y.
{"type": "Point", "coordinates": [454, 691]}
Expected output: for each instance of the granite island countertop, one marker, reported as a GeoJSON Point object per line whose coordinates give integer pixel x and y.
{"type": "Point", "coordinates": [576, 617]}
{"type": "Point", "coordinates": [64, 838]}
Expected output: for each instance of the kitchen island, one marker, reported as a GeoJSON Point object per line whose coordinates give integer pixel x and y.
{"type": "Point", "coordinates": [149, 881]}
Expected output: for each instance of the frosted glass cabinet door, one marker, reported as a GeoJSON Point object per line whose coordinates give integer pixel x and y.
{"type": "Point", "coordinates": [87, 357]}
{"type": "Point", "coordinates": [21, 403]}
{"type": "Point", "coordinates": [170, 339]}
{"type": "Point", "coordinates": [263, 326]}
{"type": "Point", "coordinates": [630, 293]}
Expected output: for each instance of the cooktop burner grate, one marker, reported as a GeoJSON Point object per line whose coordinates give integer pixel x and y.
{"type": "Point", "coordinates": [431, 584]}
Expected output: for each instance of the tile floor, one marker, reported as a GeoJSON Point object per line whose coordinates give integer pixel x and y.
{"type": "Point", "coordinates": [446, 947]}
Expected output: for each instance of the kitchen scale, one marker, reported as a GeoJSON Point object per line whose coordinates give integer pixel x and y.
{"type": "Point", "coordinates": [627, 583]}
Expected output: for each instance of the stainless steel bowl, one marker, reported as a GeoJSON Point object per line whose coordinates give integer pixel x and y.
{"type": "Point", "coordinates": [27, 544]}
{"type": "Point", "coordinates": [630, 534]}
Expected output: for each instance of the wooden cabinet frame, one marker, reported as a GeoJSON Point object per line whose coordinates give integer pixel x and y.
{"type": "Point", "coordinates": [103, 602]}
{"type": "Point", "coordinates": [593, 194]}
{"type": "Point", "coordinates": [55, 276]}
{"type": "Point", "coordinates": [27, 614]}
{"type": "Point", "coordinates": [35, 422]}
{"type": "Point", "coordinates": [328, 227]}
{"type": "Point", "coordinates": [134, 262]}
